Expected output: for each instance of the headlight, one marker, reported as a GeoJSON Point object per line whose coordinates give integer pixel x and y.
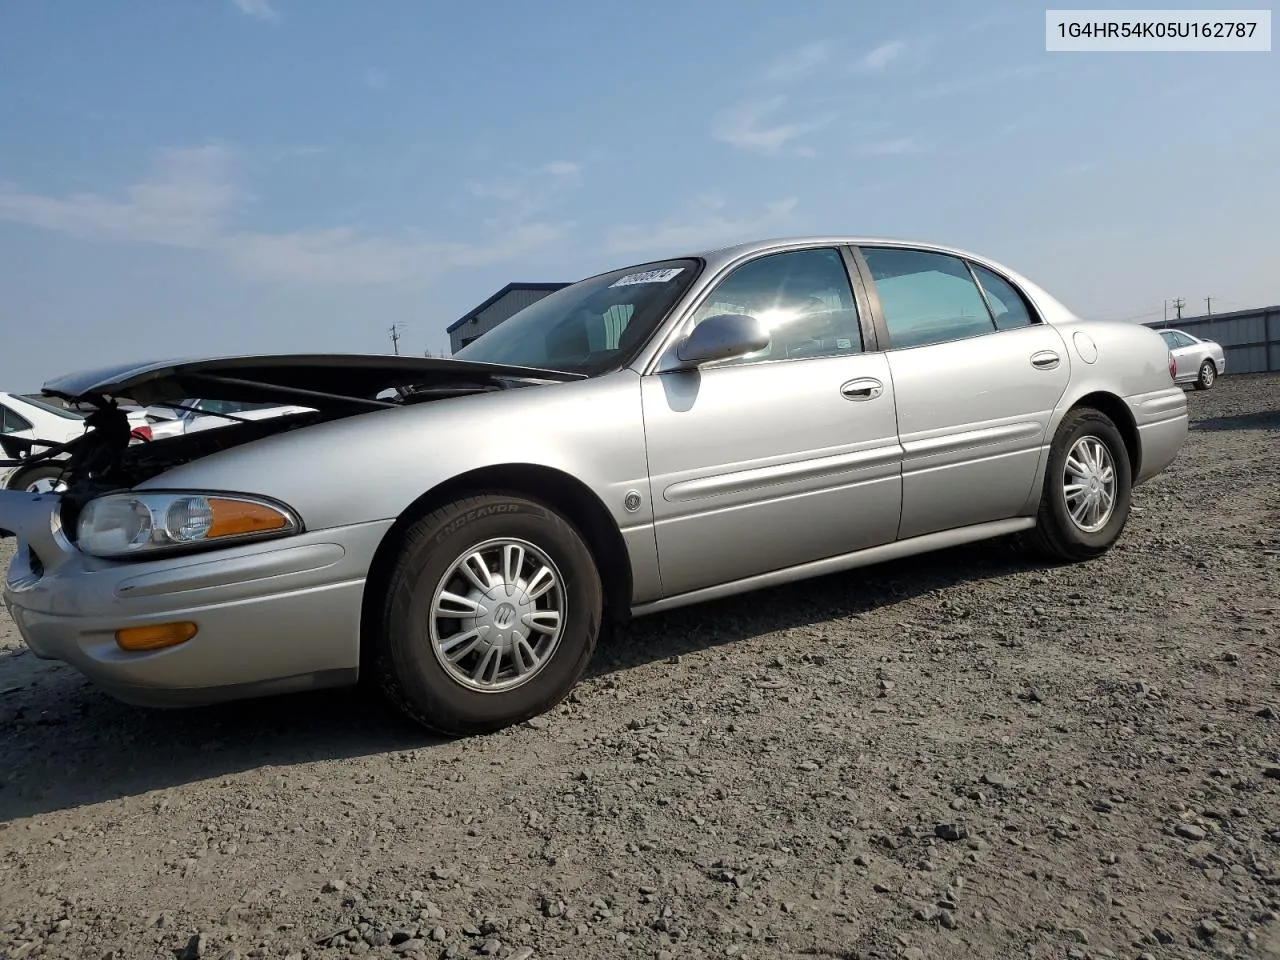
{"type": "Point", "coordinates": [130, 524]}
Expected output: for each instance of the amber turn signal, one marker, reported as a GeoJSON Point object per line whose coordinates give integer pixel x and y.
{"type": "Point", "coordinates": [155, 636]}
{"type": "Point", "coordinates": [237, 517]}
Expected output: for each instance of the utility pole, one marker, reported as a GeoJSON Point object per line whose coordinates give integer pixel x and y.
{"type": "Point", "coordinates": [1178, 305]}
{"type": "Point", "coordinates": [1208, 306]}
{"type": "Point", "coordinates": [395, 338]}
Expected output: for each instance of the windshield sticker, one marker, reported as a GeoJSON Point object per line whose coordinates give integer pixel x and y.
{"type": "Point", "coordinates": [649, 276]}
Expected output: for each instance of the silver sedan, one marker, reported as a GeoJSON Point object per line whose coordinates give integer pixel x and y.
{"type": "Point", "coordinates": [1196, 361]}
{"type": "Point", "coordinates": [460, 532]}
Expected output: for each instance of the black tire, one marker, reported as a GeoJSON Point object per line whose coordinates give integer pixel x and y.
{"type": "Point", "coordinates": [1055, 535]}
{"type": "Point", "coordinates": [24, 478]}
{"type": "Point", "coordinates": [1207, 376]}
{"type": "Point", "coordinates": [404, 664]}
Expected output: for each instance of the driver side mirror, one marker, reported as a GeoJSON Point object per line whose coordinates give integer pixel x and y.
{"type": "Point", "coordinates": [723, 337]}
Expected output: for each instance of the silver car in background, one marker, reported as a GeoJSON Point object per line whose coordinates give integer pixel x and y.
{"type": "Point", "coordinates": [459, 532]}
{"type": "Point", "coordinates": [1196, 361]}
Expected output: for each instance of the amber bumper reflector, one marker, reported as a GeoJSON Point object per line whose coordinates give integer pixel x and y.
{"type": "Point", "coordinates": [155, 637]}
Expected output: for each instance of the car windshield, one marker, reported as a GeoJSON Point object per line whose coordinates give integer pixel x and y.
{"type": "Point", "coordinates": [591, 326]}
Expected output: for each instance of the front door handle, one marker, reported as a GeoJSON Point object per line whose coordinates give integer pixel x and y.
{"type": "Point", "coordinates": [1045, 360]}
{"type": "Point", "coordinates": [867, 388]}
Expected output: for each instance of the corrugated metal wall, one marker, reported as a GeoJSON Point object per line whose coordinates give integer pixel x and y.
{"type": "Point", "coordinates": [1250, 338]}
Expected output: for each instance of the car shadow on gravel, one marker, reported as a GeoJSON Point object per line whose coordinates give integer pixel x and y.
{"type": "Point", "coordinates": [1266, 420]}
{"type": "Point", "coordinates": [64, 743]}
{"type": "Point", "coordinates": [806, 603]}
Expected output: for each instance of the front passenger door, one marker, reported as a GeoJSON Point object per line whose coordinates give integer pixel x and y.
{"type": "Point", "coordinates": [780, 457]}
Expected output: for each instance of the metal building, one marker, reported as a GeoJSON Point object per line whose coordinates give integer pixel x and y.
{"type": "Point", "coordinates": [1250, 338]}
{"type": "Point", "coordinates": [508, 301]}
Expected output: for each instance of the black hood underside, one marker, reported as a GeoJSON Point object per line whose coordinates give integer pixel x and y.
{"type": "Point", "coordinates": [310, 379]}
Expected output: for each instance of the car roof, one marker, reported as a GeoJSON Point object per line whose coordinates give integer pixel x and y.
{"type": "Point", "coordinates": [738, 250]}
{"type": "Point", "coordinates": [717, 258]}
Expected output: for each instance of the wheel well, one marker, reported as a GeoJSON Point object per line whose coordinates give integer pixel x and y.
{"type": "Point", "coordinates": [1118, 411]}
{"type": "Point", "coordinates": [19, 473]}
{"type": "Point", "coordinates": [573, 499]}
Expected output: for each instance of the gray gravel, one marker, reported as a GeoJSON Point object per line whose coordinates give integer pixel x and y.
{"type": "Point", "coordinates": [965, 755]}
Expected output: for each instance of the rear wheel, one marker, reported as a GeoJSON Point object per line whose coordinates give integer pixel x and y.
{"type": "Point", "coordinates": [491, 615]}
{"type": "Point", "coordinates": [1208, 376]}
{"type": "Point", "coordinates": [1087, 489]}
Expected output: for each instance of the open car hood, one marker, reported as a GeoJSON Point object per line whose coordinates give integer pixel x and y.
{"type": "Point", "coordinates": [309, 378]}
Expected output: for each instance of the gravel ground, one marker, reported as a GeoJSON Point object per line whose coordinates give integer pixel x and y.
{"type": "Point", "coordinates": [965, 755]}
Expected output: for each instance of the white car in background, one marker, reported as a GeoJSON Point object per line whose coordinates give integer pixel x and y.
{"type": "Point", "coordinates": [27, 417]}
{"type": "Point", "coordinates": [1196, 361]}
{"type": "Point", "coordinates": [197, 415]}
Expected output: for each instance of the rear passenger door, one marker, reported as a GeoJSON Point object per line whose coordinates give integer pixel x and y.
{"type": "Point", "coordinates": [976, 377]}
{"type": "Point", "coordinates": [13, 424]}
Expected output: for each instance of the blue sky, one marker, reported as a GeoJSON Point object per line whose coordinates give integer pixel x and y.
{"type": "Point", "coordinates": [231, 176]}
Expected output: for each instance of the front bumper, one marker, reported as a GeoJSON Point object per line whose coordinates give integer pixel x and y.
{"type": "Point", "coordinates": [273, 616]}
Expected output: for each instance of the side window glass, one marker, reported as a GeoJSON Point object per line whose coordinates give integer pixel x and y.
{"type": "Point", "coordinates": [1006, 303]}
{"type": "Point", "coordinates": [11, 422]}
{"type": "Point", "coordinates": [1171, 339]}
{"type": "Point", "coordinates": [926, 297]}
{"type": "Point", "coordinates": [1184, 340]}
{"type": "Point", "coordinates": [804, 298]}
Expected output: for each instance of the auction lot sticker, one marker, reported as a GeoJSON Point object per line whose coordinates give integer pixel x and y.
{"type": "Point", "coordinates": [1158, 31]}
{"type": "Point", "coordinates": [649, 276]}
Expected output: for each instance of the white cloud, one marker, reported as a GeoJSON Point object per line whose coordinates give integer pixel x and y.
{"type": "Point", "coordinates": [182, 204]}
{"type": "Point", "coordinates": [563, 168]}
{"type": "Point", "coordinates": [189, 200]}
{"type": "Point", "coordinates": [746, 126]}
{"type": "Point", "coordinates": [800, 63]}
{"type": "Point", "coordinates": [346, 256]}
{"type": "Point", "coordinates": [375, 78]}
{"type": "Point", "coordinates": [878, 59]}
{"type": "Point", "coordinates": [966, 84]}
{"type": "Point", "coordinates": [896, 147]}
{"type": "Point", "coordinates": [262, 9]}
{"type": "Point", "coordinates": [531, 192]}
{"type": "Point", "coordinates": [707, 225]}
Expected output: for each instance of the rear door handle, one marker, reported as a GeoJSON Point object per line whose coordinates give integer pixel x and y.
{"type": "Point", "coordinates": [867, 388]}
{"type": "Point", "coordinates": [1045, 360]}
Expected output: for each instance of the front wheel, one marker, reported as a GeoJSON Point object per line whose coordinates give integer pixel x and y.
{"type": "Point", "coordinates": [1208, 376]}
{"type": "Point", "coordinates": [45, 478]}
{"type": "Point", "coordinates": [491, 615]}
{"type": "Point", "coordinates": [1087, 489]}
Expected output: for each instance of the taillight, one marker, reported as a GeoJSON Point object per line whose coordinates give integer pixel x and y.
{"type": "Point", "coordinates": [1173, 368]}
{"type": "Point", "coordinates": [141, 433]}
